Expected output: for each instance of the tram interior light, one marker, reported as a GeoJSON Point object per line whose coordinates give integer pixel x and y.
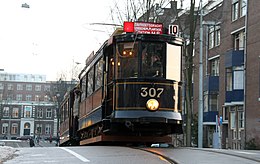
{"type": "Point", "coordinates": [127, 53]}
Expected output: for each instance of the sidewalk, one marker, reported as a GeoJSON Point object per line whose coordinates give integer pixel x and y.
{"type": "Point", "coordinates": [253, 155]}
{"type": "Point", "coordinates": [6, 152]}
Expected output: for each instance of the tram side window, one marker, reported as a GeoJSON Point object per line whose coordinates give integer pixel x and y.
{"type": "Point", "coordinates": [83, 87]}
{"type": "Point", "coordinates": [152, 58]}
{"type": "Point", "coordinates": [127, 59]}
{"type": "Point", "coordinates": [98, 74]}
{"type": "Point", "coordinates": [90, 81]}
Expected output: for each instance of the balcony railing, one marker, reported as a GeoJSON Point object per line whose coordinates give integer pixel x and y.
{"type": "Point", "coordinates": [234, 58]}
{"type": "Point", "coordinates": [210, 116]}
{"type": "Point", "coordinates": [211, 83]}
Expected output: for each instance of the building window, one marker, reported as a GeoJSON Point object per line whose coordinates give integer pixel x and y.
{"type": "Point", "coordinates": [214, 67]}
{"type": "Point", "coordinates": [229, 79]}
{"type": "Point", "coordinates": [19, 97]}
{"type": "Point", "coordinates": [48, 113]}
{"type": "Point", "coordinates": [28, 87]}
{"type": "Point", "coordinates": [39, 113]}
{"type": "Point", "coordinates": [47, 129]}
{"type": "Point", "coordinates": [28, 97]}
{"type": "Point", "coordinates": [38, 87]}
{"type": "Point", "coordinates": [233, 119]}
{"type": "Point", "coordinates": [27, 111]}
{"type": "Point", "coordinates": [19, 87]}
{"type": "Point", "coordinates": [241, 117]}
{"type": "Point", "coordinates": [213, 102]}
{"type": "Point", "coordinates": [217, 36]}
{"type": "Point", "coordinates": [15, 113]}
{"type": "Point", "coordinates": [234, 10]}
{"type": "Point", "coordinates": [211, 37]}
{"type": "Point", "coordinates": [37, 97]}
{"type": "Point", "coordinates": [47, 88]}
{"type": "Point", "coordinates": [38, 129]}
{"type": "Point", "coordinates": [10, 87]}
{"type": "Point", "coordinates": [46, 98]}
{"type": "Point", "coordinates": [225, 114]}
{"type": "Point", "coordinates": [238, 77]}
{"type": "Point", "coordinates": [14, 129]}
{"type": "Point", "coordinates": [239, 40]}
{"type": "Point", "coordinates": [243, 7]}
{"type": "Point", "coordinates": [4, 128]}
{"type": "Point", "coordinates": [6, 112]}
{"type": "Point", "coordinates": [235, 78]}
{"type": "Point", "coordinates": [214, 36]}
{"type": "Point", "coordinates": [10, 97]}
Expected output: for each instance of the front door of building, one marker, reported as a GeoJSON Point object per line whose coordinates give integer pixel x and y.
{"type": "Point", "coordinates": [26, 130]}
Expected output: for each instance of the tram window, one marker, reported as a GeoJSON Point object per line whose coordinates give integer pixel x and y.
{"type": "Point", "coordinates": [152, 55]}
{"type": "Point", "coordinates": [83, 87]}
{"type": "Point", "coordinates": [90, 81]}
{"type": "Point", "coordinates": [98, 74]}
{"type": "Point", "coordinates": [127, 59]}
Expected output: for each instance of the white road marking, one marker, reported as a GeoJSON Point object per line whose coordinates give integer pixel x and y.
{"type": "Point", "coordinates": [242, 152]}
{"type": "Point", "coordinates": [76, 154]}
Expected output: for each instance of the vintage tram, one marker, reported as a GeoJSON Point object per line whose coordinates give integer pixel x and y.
{"type": "Point", "coordinates": [130, 89]}
{"type": "Point", "coordinates": [68, 134]}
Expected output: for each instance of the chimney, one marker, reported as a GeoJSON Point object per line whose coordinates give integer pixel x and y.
{"type": "Point", "coordinates": [174, 6]}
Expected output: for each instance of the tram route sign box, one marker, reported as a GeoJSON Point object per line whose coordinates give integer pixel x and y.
{"type": "Point", "coordinates": [143, 27]}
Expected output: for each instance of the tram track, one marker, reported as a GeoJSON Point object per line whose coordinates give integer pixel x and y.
{"type": "Point", "coordinates": [160, 155]}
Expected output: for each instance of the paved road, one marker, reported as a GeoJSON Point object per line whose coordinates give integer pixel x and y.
{"type": "Point", "coordinates": [86, 154]}
{"type": "Point", "coordinates": [47, 152]}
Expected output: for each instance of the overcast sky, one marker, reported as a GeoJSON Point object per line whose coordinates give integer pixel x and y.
{"type": "Point", "coordinates": [50, 36]}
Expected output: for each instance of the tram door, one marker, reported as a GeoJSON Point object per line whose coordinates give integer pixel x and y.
{"type": "Point", "coordinates": [108, 80]}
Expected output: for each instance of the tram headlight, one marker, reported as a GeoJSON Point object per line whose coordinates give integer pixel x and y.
{"type": "Point", "coordinates": [152, 104]}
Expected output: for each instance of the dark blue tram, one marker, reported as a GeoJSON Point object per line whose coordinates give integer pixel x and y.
{"type": "Point", "coordinates": [130, 89]}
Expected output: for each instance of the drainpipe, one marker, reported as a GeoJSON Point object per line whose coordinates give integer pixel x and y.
{"type": "Point", "coordinates": [245, 63]}
{"type": "Point", "coordinates": [200, 105]}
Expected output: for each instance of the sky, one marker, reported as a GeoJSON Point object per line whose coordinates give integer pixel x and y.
{"type": "Point", "coordinates": [52, 36]}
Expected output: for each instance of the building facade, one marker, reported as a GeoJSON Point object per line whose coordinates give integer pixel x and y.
{"type": "Point", "coordinates": [230, 73]}
{"type": "Point", "coordinates": [29, 105]}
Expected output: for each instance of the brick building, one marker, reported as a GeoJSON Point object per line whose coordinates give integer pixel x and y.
{"type": "Point", "coordinates": [29, 105]}
{"type": "Point", "coordinates": [231, 73]}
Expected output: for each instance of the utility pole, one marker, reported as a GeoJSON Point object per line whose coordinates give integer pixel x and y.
{"type": "Point", "coordinates": [200, 106]}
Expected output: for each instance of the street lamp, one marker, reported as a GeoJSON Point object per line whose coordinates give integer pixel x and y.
{"type": "Point", "coordinates": [25, 5]}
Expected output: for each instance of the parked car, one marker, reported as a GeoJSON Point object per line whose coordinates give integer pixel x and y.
{"type": "Point", "coordinates": [27, 137]}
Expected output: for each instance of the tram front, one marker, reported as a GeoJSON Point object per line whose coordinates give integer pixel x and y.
{"type": "Point", "coordinates": [147, 84]}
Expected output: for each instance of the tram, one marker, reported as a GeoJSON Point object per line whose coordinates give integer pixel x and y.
{"type": "Point", "coordinates": [130, 89]}
{"type": "Point", "coordinates": [69, 118]}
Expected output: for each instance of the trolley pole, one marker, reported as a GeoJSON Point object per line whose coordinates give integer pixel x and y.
{"type": "Point", "coordinates": [200, 106]}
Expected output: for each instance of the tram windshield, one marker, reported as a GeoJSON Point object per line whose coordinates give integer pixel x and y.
{"type": "Point", "coordinates": [140, 59]}
{"type": "Point", "coordinates": [151, 62]}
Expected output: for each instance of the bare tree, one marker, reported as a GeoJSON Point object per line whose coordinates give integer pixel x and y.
{"type": "Point", "coordinates": [189, 27]}
{"type": "Point", "coordinates": [133, 10]}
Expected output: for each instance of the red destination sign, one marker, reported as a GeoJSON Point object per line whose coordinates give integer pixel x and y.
{"type": "Point", "coordinates": [143, 27]}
